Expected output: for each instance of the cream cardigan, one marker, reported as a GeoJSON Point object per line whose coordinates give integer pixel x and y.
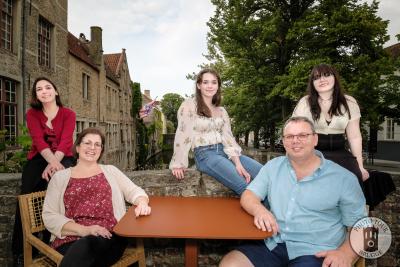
{"type": "Point", "coordinates": [122, 188]}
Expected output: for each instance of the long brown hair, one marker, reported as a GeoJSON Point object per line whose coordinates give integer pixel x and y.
{"type": "Point", "coordinates": [338, 98]}
{"type": "Point", "coordinates": [202, 109]}
{"type": "Point", "coordinates": [35, 103]}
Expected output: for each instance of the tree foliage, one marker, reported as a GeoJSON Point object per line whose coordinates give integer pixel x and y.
{"type": "Point", "coordinates": [14, 159]}
{"type": "Point", "coordinates": [170, 105]}
{"type": "Point", "coordinates": [141, 131]}
{"type": "Point", "coordinates": [265, 49]}
{"type": "Point", "coordinates": [136, 99]}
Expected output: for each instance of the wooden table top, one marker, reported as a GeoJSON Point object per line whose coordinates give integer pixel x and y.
{"type": "Point", "coordinates": [191, 217]}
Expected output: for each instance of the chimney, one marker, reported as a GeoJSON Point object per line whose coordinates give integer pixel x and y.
{"type": "Point", "coordinates": [147, 93]}
{"type": "Point", "coordinates": [96, 45]}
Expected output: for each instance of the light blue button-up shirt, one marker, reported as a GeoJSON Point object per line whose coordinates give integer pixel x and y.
{"type": "Point", "coordinates": [312, 213]}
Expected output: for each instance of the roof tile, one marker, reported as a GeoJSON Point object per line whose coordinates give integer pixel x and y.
{"type": "Point", "coordinates": [79, 50]}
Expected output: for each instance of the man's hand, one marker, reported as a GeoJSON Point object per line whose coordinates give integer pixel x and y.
{"type": "Point", "coordinates": [335, 258]}
{"type": "Point", "coordinates": [265, 221]}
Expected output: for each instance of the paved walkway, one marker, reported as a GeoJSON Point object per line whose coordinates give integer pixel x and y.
{"type": "Point", "coordinates": [384, 165]}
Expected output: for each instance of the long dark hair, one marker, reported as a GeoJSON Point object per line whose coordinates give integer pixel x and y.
{"type": "Point", "coordinates": [338, 98]}
{"type": "Point", "coordinates": [85, 132]}
{"type": "Point", "coordinates": [35, 103]}
{"type": "Point", "coordinates": [202, 109]}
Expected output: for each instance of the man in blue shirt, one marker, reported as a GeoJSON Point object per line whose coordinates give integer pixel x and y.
{"type": "Point", "coordinates": [312, 202]}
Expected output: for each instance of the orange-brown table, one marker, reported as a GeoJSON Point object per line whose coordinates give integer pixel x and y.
{"type": "Point", "coordinates": [191, 218]}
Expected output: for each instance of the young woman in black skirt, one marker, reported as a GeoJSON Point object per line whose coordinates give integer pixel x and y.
{"type": "Point", "coordinates": [51, 127]}
{"type": "Point", "coordinates": [337, 119]}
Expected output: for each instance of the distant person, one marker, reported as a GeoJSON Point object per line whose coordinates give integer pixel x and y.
{"type": "Point", "coordinates": [312, 203]}
{"type": "Point", "coordinates": [85, 202]}
{"type": "Point", "coordinates": [336, 117]}
{"type": "Point", "coordinates": [51, 127]}
{"type": "Point", "coordinates": [204, 126]}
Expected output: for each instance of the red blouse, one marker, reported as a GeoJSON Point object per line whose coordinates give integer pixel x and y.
{"type": "Point", "coordinates": [60, 138]}
{"type": "Point", "coordinates": [88, 201]}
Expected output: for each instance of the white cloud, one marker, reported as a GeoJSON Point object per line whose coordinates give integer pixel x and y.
{"type": "Point", "coordinates": [164, 39]}
{"type": "Point", "coordinates": [389, 10]}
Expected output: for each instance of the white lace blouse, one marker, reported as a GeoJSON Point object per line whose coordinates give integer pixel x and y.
{"type": "Point", "coordinates": [194, 131]}
{"type": "Point", "coordinates": [337, 125]}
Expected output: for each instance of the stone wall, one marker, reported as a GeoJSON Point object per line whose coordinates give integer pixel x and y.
{"type": "Point", "coordinates": [170, 252]}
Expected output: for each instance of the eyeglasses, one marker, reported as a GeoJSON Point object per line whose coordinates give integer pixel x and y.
{"type": "Point", "coordinates": [319, 76]}
{"type": "Point", "coordinates": [301, 137]}
{"type": "Point", "coordinates": [90, 144]}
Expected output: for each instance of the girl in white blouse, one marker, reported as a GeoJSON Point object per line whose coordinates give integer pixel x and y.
{"type": "Point", "coordinates": [204, 126]}
{"type": "Point", "coordinates": [334, 114]}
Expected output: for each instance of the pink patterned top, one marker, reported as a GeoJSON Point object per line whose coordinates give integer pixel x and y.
{"type": "Point", "coordinates": [88, 201]}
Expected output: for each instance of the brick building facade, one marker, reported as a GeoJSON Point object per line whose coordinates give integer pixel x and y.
{"type": "Point", "coordinates": [34, 41]}
{"type": "Point", "coordinates": [101, 95]}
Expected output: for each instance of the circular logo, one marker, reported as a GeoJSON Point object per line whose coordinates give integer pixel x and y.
{"type": "Point", "coordinates": [370, 237]}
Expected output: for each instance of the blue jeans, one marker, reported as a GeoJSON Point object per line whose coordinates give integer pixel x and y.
{"type": "Point", "coordinates": [213, 161]}
{"type": "Point", "coordinates": [260, 256]}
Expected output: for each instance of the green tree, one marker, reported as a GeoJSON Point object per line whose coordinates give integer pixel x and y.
{"type": "Point", "coordinates": [13, 160]}
{"type": "Point", "coordinates": [141, 131]}
{"type": "Point", "coordinates": [265, 50]}
{"type": "Point", "coordinates": [170, 105]}
{"type": "Point", "coordinates": [247, 41]}
{"type": "Point", "coordinates": [170, 127]}
{"type": "Point", "coordinates": [136, 99]}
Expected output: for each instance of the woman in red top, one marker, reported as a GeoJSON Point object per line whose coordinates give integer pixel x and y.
{"type": "Point", "coordinates": [51, 128]}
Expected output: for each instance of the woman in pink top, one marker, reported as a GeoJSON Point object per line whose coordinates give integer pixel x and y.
{"type": "Point", "coordinates": [84, 203]}
{"type": "Point", "coordinates": [51, 127]}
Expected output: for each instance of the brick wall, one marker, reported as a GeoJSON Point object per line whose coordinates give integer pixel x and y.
{"type": "Point", "coordinates": [169, 252]}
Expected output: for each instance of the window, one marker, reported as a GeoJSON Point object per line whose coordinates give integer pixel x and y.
{"type": "Point", "coordinates": [121, 135]}
{"type": "Point", "coordinates": [114, 102]}
{"type": "Point", "coordinates": [92, 124]}
{"type": "Point", "coordinates": [80, 125]}
{"type": "Point", "coordinates": [115, 141]}
{"type": "Point", "coordinates": [108, 136]}
{"type": "Point", "coordinates": [108, 99]}
{"type": "Point", "coordinates": [8, 109]}
{"type": "Point", "coordinates": [6, 26]}
{"type": "Point", "coordinates": [85, 86]}
{"type": "Point", "coordinates": [44, 42]}
{"type": "Point", "coordinates": [389, 129]}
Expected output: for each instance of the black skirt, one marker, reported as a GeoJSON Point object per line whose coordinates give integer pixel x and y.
{"type": "Point", "coordinates": [333, 146]}
{"type": "Point", "coordinates": [375, 188]}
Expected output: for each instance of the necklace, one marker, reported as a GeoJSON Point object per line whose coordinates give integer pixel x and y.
{"type": "Point", "coordinates": [324, 100]}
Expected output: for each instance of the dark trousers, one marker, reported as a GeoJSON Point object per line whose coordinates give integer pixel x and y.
{"type": "Point", "coordinates": [93, 251]}
{"type": "Point", "coordinates": [32, 181]}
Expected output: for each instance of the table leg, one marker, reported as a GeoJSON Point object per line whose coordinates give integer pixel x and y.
{"type": "Point", "coordinates": [191, 251]}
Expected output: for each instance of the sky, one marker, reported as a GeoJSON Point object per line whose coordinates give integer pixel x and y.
{"type": "Point", "coordinates": [165, 39]}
